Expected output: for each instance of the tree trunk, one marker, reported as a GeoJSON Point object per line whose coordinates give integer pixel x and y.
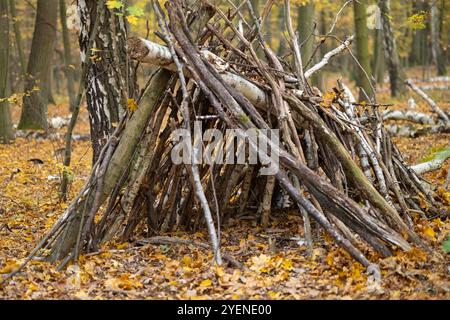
{"type": "Point", "coordinates": [34, 113]}
{"type": "Point", "coordinates": [47, 85]}
{"type": "Point", "coordinates": [415, 56]}
{"type": "Point", "coordinates": [68, 67]}
{"type": "Point", "coordinates": [436, 50]}
{"type": "Point", "coordinates": [268, 30]}
{"type": "Point", "coordinates": [362, 48]}
{"type": "Point", "coordinates": [281, 24]}
{"type": "Point", "coordinates": [390, 49]}
{"type": "Point", "coordinates": [119, 162]}
{"type": "Point", "coordinates": [305, 28]}
{"type": "Point", "coordinates": [106, 91]}
{"type": "Point", "coordinates": [18, 36]}
{"type": "Point", "coordinates": [443, 28]}
{"type": "Point", "coordinates": [255, 5]}
{"type": "Point", "coordinates": [6, 132]}
{"type": "Point", "coordinates": [378, 59]}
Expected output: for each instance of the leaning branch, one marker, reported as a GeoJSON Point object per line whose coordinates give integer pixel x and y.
{"type": "Point", "coordinates": [430, 102]}
{"type": "Point", "coordinates": [327, 57]}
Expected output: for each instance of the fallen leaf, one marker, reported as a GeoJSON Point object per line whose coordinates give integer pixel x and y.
{"type": "Point", "coordinates": [206, 283]}
{"type": "Point", "coordinates": [123, 282]}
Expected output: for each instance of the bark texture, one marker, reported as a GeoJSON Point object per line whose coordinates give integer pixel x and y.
{"type": "Point", "coordinates": [6, 132]}
{"type": "Point", "coordinates": [106, 80]}
{"type": "Point", "coordinates": [68, 64]}
{"type": "Point", "coordinates": [390, 50]}
{"type": "Point", "coordinates": [362, 48]}
{"type": "Point", "coordinates": [34, 113]}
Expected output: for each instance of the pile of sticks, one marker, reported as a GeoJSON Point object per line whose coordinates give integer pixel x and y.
{"type": "Point", "coordinates": [340, 171]}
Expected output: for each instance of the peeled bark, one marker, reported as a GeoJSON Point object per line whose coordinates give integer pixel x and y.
{"type": "Point", "coordinates": [106, 78]}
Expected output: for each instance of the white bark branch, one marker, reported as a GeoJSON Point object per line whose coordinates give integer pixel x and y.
{"type": "Point", "coordinates": [435, 87]}
{"type": "Point", "coordinates": [326, 59]}
{"type": "Point", "coordinates": [408, 116]}
{"type": "Point", "coordinates": [149, 52]}
{"type": "Point", "coordinates": [434, 164]}
{"type": "Point", "coordinates": [430, 102]}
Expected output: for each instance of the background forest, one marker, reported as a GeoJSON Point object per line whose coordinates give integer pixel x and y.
{"type": "Point", "coordinates": [360, 212]}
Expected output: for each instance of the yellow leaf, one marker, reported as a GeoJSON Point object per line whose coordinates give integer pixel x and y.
{"type": "Point", "coordinates": [89, 267]}
{"type": "Point", "coordinates": [329, 259]}
{"type": "Point", "coordinates": [132, 105]}
{"type": "Point", "coordinates": [132, 20]}
{"type": "Point", "coordinates": [10, 266]}
{"type": "Point", "coordinates": [260, 263]}
{"type": "Point", "coordinates": [328, 99]}
{"type": "Point", "coordinates": [123, 283]}
{"type": "Point", "coordinates": [206, 283]}
{"type": "Point", "coordinates": [429, 232]}
{"type": "Point", "coordinates": [273, 295]}
{"type": "Point", "coordinates": [186, 261]}
{"type": "Point", "coordinates": [81, 295]}
{"type": "Point", "coordinates": [114, 4]}
{"type": "Point", "coordinates": [219, 271]}
{"type": "Point", "coordinates": [121, 245]}
{"type": "Point", "coordinates": [287, 264]}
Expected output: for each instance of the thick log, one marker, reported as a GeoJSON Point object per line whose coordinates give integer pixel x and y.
{"type": "Point", "coordinates": [146, 51]}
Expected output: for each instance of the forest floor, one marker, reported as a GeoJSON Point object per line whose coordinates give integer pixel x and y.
{"type": "Point", "coordinates": [279, 269]}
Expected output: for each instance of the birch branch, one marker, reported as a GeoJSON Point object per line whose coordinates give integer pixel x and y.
{"type": "Point", "coordinates": [431, 87]}
{"type": "Point", "coordinates": [327, 57]}
{"type": "Point", "coordinates": [407, 115]}
{"type": "Point", "coordinates": [430, 102]}
{"type": "Point", "coordinates": [434, 164]}
{"type": "Point", "coordinates": [149, 52]}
